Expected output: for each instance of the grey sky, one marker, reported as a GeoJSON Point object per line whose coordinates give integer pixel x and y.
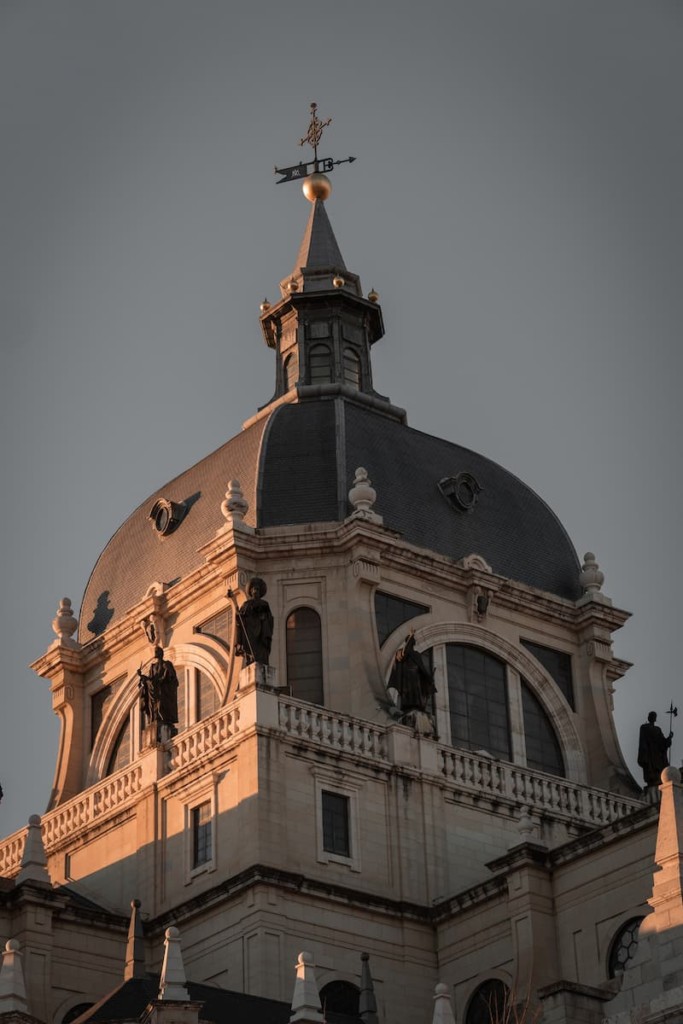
{"type": "Point", "coordinates": [516, 202]}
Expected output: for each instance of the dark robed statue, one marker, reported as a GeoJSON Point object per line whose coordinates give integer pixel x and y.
{"type": "Point", "coordinates": [411, 678]}
{"type": "Point", "coordinates": [255, 625]}
{"type": "Point", "coordinates": [159, 692]}
{"type": "Point", "coordinates": [653, 750]}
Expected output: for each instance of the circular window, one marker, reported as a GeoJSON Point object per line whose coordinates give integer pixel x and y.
{"type": "Point", "coordinates": [166, 515]}
{"type": "Point", "coordinates": [624, 947]}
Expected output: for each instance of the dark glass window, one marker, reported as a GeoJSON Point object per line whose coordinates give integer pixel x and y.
{"type": "Point", "coordinates": [291, 368]}
{"type": "Point", "coordinates": [305, 655]}
{"type": "Point", "coordinates": [75, 1011]}
{"type": "Point", "coordinates": [624, 947]}
{"type": "Point", "coordinates": [557, 664]}
{"type": "Point", "coordinates": [391, 612]}
{"type": "Point", "coordinates": [218, 625]}
{"type": "Point", "coordinates": [351, 368]}
{"type": "Point", "coordinates": [97, 702]}
{"type": "Point", "coordinates": [477, 693]}
{"type": "Point", "coordinates": [321, 365]}
{"type": "Point", "coordinates": [120, 755]}
{"type": "Point", "coordinates": [336, 837]}
{"type": "Point", "coordinates": [206, 696]}
{"type": "Point", "coordinates": [542, 748]}
{"type": "Point", "coordinates": [488, 1004]}
{"type": "Point", "coordinates": [340, 997]}
{"type": "Point", "coordinates": [201, 834]}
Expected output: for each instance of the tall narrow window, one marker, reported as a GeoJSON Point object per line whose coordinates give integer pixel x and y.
{"type": "Point", "coordinates": [321, 364]}
{"type": "Point", "coordinates": [97, 702]}
{"type": "Point", "coordinates": [477, 693]}
{"type": "Point", "coordinates": [202, 834]}
{"type": "Point", "coordinates": [336, 837]}
{"type": "Point", "coordinates": [542, 748]}
{"type": "Point", "coordinates": [305, 655]}
{"type": "Point", "coordinates": [351, 368]}
{"type": "Point", "coordinates": [206, 696]}
{"type": "Point", "coordinates": [182, 699]}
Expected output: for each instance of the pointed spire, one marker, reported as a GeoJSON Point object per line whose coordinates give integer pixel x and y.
{"type": "Point", "coordinates": [443, 1011]}
{"type": "Point", "coordinates": [173, 983]}
{"type": "Point", "coordinates": [12, 987]}
{"type": "Point", "coordinates": [34, 861]}
{"type": "Point", "coordinates": [306, 1007]}
{"type": "Point", "coordinates": [667, 891]}
{"type": "Point", "coordinates": [367, 1004]}
{"type": "Point", "coordinates": [135, 947]}
{"type": "Point", "coordinates": [319, 248]}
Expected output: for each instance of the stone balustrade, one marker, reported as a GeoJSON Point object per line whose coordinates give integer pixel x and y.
{"type": "Point", "coordinates": [479, 776]}
{"type": "Point", "coordinates": [207, 736]}
{"type": "Point", "coordinates": [544, 794]}
{"type": "Point", "coordinates": [334, 731]}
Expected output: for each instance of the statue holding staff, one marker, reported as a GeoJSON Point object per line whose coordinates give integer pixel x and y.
{"type": "Point", "coordinates": [159, 693]}
{"type": "Point", "coordinates": [653, 750]}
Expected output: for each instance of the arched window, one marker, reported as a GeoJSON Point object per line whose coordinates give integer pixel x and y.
{"type": "Point", "coordinates": [305, 655]}
{"type": "Point", "coordinates": [488, 1004]}
{"type": "Point", "coordinates": [542, 749]}
{"type": "Point", "coordinates": [351, 368]}
{"type": "Point", "coordinates": [477, 694]}
{"type": "Point", "coordinates": [120, 755]}
{"type": "Point", "coordinates": [75, 1012]}
{"type": "Point", "coordinates": [624, 947]}
{"type": "Point", "coordinates": [291, 371]}
{"type": "Point", "coordinates": [321, 364]}
{"type": "Point", "coordinates": [340, 997]}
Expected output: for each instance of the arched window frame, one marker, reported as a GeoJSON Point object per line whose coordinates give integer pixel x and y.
{"type": "Point", "coordinates": [518, 663]}
{"type": "Point", "coordinates": [493, 979]}
{"type": "Point", "coordinates": [290, 371]}
{"type": "Point", "coordinates": [616, 939]}
{"type": "Point", "coordinates": [307, 606]}
{"type": "Point", "coordinates": [188, 660]}
{"type": "Point", "coordinates": [350, 355]}
{"type": "Point", "coordinates": [315, 350]}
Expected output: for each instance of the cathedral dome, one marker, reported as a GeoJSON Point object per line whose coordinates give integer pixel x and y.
{"type": "Point", "coordinates": [297, 458]}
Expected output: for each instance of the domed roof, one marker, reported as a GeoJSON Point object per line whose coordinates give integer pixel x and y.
{"type": "Point", "coordinates": [296, 460]}
{"type": "Point", "coordinates": [296, 465]}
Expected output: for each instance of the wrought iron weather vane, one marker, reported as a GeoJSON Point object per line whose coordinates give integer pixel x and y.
{"type": "Point", "coordinates": [318, 164]}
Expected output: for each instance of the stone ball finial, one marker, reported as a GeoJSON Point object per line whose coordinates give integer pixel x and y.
{"type": "Point", "coordinates": [441, 989]}
{"type": "Point", "coordinates": [373, 296]}
{"type": "Point", "coordinates": [305, 958]}
{"type": "Point", "coordinates": [234, 506]}
{"type": "Point", "coordinates": [34, 820]}
{"type": "Point", "coordinates": [12, 946]}
{"type": "Point", "coordinates": [591, 576]}
{"type": "Point", "coordinates": [172, 933]}
{"type": "Point", "coordinates": [65, 623]}
{"type": "Point", "coordinates": [671, 774]}
{"type": "Point", "coordinates": [135, 904]}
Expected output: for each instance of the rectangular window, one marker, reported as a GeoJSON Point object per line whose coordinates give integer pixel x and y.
{"type": "Point", "coordinates": [202, 828]}
{"type": "Point", "coordinates": [336, 836]}
{"type": "Point", "coordinates": [218, 625]}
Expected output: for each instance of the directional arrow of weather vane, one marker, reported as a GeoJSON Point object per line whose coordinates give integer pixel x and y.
{"type": "Point", "coordinates": [317, 164]}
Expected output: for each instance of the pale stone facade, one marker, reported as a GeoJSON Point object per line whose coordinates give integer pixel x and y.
{"type": "Point", "coordinates": [456, 867]}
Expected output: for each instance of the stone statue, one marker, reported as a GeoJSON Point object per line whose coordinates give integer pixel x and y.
{"type": "Point", "coordinates": [159, 693]}
{"type": "Point", "coordinates": [411, 678]}
{"type": "Point", "coordinates": [653, 748]}
{"type": "Point", "coordinates": [255, 625]}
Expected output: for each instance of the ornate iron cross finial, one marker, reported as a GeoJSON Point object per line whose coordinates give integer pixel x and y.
{"type": "Point", "coordinates": [315, 131]}
{"type": "Point", "coordinates": [317, 164]}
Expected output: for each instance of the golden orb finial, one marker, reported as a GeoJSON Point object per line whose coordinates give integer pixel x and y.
{"type": "Point", "coordinates": [317, 186]}
{"type": "Point", "coordinates": [373, 296]}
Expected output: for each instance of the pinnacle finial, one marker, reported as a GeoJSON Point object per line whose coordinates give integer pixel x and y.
{"type": "Point", "coordinates": [315, 131]}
